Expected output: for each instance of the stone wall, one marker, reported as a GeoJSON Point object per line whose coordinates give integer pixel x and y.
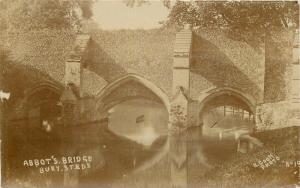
{"type": "Point", "coordinates": [219, 61]}
{"type": "Point", "coordinates": [278, 111]}
{"type": "Point", "coordinates": [148, 53]}
{"type": "Point", "coordinates": [127, 91]}
{"type": "Point", "coordinates": [44, 50]}
{"type": "Point", "coordinates": [216, 61]}
{"type": "Point", "coordinates": [276, 115]}
{"type": "Point", "coordinates": [278, 66]}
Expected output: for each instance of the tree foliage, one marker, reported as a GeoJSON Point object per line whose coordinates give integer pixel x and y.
{"type": "Point", "coordinates": [239, 16]}
{"type": "Point", "coordinates": [240, 19]}
{"type": "Point", "coordinates": [41, 14]}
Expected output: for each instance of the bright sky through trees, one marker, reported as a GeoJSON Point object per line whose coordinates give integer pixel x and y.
{"type": "Point", "coordinates": [116, 15]}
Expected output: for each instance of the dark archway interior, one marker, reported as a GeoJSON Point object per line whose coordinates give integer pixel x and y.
{"type": "Point", "coordinates": [229, 100]}
{"type": "Point", "coordinates": [33, 139]}
{"type": "Point", "coordinates": [226, 114]}
{"type": "Point", "coordinates": [43, 106]}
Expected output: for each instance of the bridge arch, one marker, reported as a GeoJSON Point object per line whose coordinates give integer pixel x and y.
{"type": "Point", "coordinates": [54, 87]}
{"type": "Point", "coordinates": [226, 108]}
{"type": "Point", "coordinates": [42, 103]}
{"type": "Point", "coordinates": [141, 105]}
{"type": "Point", "coordinates": [212, 93]}
{"type": "Point", "coordinates": [106, 91]}
{"type": "Point", "coordinates": [143, 109]}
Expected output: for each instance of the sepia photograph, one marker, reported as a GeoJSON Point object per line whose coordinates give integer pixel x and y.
{"type": "Point", "coordinates": [149, 94]}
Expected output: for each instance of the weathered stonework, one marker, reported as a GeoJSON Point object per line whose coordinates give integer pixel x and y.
{"type": "Point", "coordinates": [113, 55]}
{"type": "Point", "coordinates": [218, 61]}
{"type": "Point", "coordinates": [295, 82]}
{"type": "Point", "coordinates": [189, 72]}
{"type": "Point", "coordinates": [130, 90]}
{"type": "Point", "coordinates": [276, 115]}
{"type": "Point", "coordinates": [281, 105]}
{"type": "Point", "coordinates": [180, 106]}
{"type": "Point", "coordinates": [278, 70]}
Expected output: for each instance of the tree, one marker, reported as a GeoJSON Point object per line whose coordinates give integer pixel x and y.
{"type": "Point", "coordinates": [234, 15]}
{"type": "Point", "coordinates": [41, 14]}
{"type": "Point", "coordinates": [132, 3]}
{"type": "Point", "coordinates": [237, 18]}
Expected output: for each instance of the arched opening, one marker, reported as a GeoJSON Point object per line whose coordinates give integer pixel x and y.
{"type": "Point", "coordinates": [138, 110]}
{"type": "Point", "coordinates": [43, 109]}
{"type": "Point", "coordinates": [36, 138]}
{"type": "Point", "coordinates": [226, 115]}
{"type": "Point", "coordinates": [137, 79]}
{"type": "Point", "coordinates": [137, 126]}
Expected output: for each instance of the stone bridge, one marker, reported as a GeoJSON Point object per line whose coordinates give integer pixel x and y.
{"type": "Point", "coordinates": [207, 65]}
{"type": "Point", "coordinates": [197, 70]}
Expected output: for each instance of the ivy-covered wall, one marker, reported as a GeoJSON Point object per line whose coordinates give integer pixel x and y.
{"type": "Point", "coordinates": [278, 66]}
{"type": "Point", "coordinates": [128, 91]}
{"type": "Point", "coordinates": [149, 53]}
{"type": "Point", "coordinates": [277, 111]}
{"type": "Point", "coordinates": [44, 50]}
{"type": "Point", "coordinates": [261, 71]}
{"type": "Point", "coordinates": [219, 61]}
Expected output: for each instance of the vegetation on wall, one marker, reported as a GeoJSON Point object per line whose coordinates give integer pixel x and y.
{"type": "Point", "coordinates": [239, 19]}
{"type": "Point", "coordinates": [36, 36]}
{"type": "Point", "coordinates": [112, 54]}
{"type": "Point", "coordinates": [235, 15]}
{"type": "Point", "coordinates": [33, 57]}
{"type": "Point", "coordinates": [40, 14]}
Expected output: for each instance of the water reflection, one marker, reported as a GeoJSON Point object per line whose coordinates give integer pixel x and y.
{"type": "Point", "coordinates": [146, 135]}
{"type": "Point", "coordinates": [136, 139]}
{"type": "Point", "coordinates": [227, 122]}
{"type": "Point", "coordinates": [122, 157]}
{"type": "Point", "coordinates": [139, 120]}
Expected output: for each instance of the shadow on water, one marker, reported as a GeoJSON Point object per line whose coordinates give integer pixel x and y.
{"type": "Point", "coordinates": [123, 156]}
{"type": "Point", "coordinates": [120, 156]}
{"type": "Point", "coordinates": [114, 157]}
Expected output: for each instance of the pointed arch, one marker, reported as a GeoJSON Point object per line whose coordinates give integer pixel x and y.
{"type": "Point", "coordinates": [133, 77]}
{"type": "Point", "coordinates": [214, 92]}
{"type": "Point", "coordinates": [54, 87]}
{"type": "Point", "coordinates": [41, 102]}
